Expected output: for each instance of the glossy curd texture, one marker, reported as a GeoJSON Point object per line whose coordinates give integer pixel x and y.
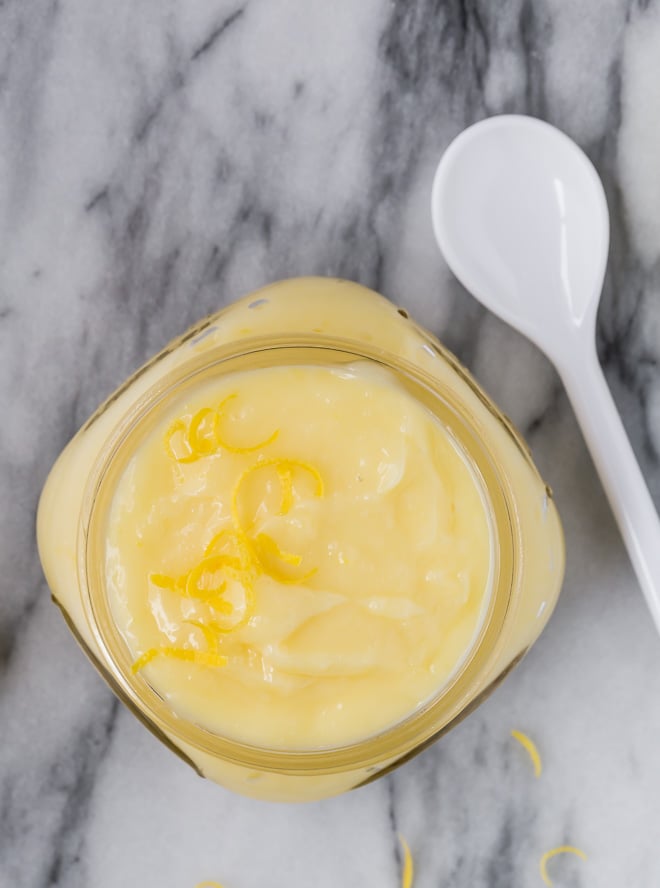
{"type": "Point", "coordinates": [298, 556]}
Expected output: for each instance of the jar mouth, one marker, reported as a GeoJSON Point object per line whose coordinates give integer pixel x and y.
{"type": "Point", "coordinates": [423, 723]}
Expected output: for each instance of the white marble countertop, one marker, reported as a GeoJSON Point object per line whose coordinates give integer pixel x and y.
{"type": "Point", "coordinates": [160, 158]}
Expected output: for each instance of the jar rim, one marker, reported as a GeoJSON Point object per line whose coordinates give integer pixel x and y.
{"type": "Point", "coordinates": [426, 721]}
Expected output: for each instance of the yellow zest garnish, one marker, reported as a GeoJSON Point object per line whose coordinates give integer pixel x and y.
{"type": "Point", "coordinates": [281, 465]}
{"type": "Point", "coordinates": [285, 476]}
{"type": "Point", "coordinates": [408, 869]}
{"type": "Point", "coordinates": [249, 606]}
{"type": "Point", "coordinates": [189, 454]}
{"type": "Point", "coordinates": [319, 487]}
{"type": "Point", "coordinates": [144, 660]}
{"type": "Point", "coordinates": [197, 584]}
{"type": "Point", "coordinates": [164, 582]}
{"type": "Point", "coordinates": [231, 447]}
{"type": "Point", "coordinates": [210, 633]}
{"type": "Point", "coordinates": [563, 849]}
{"type": "Point", "coordinates": [239, 543]}
{"type": "Point", "coordinates": [190, 585]}
{"type": "Point", "coordinates": [268, 551]}
{"type": "Point", "coordinates": [268, 546]}
{"type": "Point", "coordinates": [202, 434]}
{"type": "Point", "coordinates": [201, 658]}
{"type": "Point", "coordinates": [226, 607]}
{"type": "Point", "coordinates": [231, 554]}
{"type": "Point", "coordinates": [530, 746]}
{"type": "Point", "coordinates": [276, 574]}
{"type": "Point", "coordinates": [208, 885]}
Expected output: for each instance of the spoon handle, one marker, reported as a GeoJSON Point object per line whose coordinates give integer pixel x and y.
{"type": "Point", "coordinates": [620, 474]}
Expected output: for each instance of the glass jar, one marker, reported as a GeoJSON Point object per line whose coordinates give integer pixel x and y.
{"type": "Point", "coordinates": [305, 321]}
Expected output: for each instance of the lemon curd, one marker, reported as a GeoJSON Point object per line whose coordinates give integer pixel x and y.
{"type": "Point", "coordinates": [309, 590]}
{"type": "Point", "coordinates": [301, 542]}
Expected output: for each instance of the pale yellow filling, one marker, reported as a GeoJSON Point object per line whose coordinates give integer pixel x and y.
{"type": "Point", "coordinates": [298, 557]}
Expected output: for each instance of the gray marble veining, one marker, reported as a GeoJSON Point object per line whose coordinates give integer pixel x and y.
{"type": "Point", "coordinates": [159, 159]}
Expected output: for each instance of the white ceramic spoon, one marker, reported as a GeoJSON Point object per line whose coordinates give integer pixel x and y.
{"type": "Point", "coordinates": [520, 215]}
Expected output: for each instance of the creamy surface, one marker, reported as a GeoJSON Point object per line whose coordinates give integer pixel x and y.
{"type": "Point", "coordinates": [300, 556]}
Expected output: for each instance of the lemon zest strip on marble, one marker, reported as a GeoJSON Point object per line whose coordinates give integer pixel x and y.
{"type": "Point", "coordinates": [408, 868]}
{"type": "Point", "coordinates": [562, 849]}
{"type": "Point", "coordinates": [208, 885]}
{"type": "Point", "coordinates": [528, 744]}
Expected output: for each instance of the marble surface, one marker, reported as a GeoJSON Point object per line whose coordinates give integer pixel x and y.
{"type": "Point", "coordinates": [160, 158]}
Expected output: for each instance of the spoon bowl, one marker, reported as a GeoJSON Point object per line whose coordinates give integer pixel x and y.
{"type": "Point", "coordinates": [520, 215]}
